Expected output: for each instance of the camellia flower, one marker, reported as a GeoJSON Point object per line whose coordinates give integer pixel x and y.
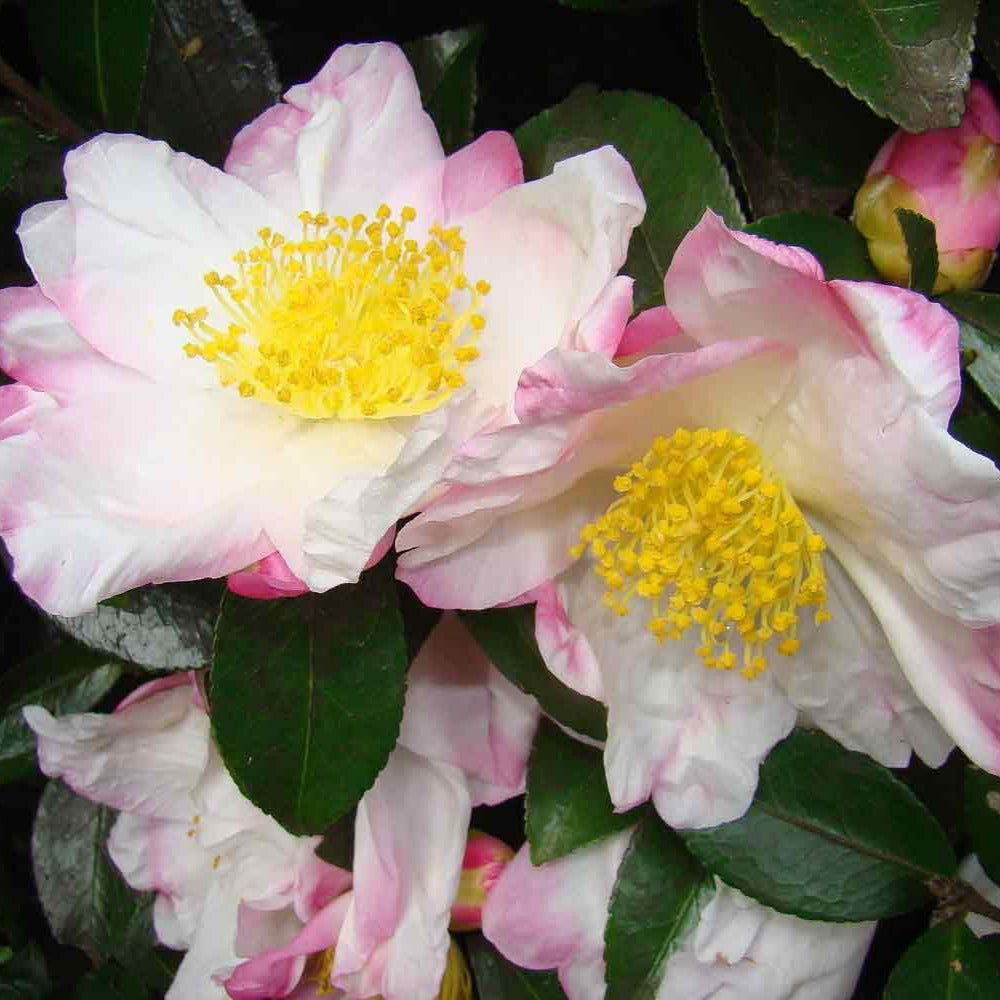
{"type": "Point", "coordinates": [950, 176]}
{"type": "Point", "coordinates": [761, 521]}
{"type": "Point", "coordinates": [256, 909]}
{"type": "Point", "coordinates": [553, 917]}
{"type": "Point", "coordinates": [217, 366]}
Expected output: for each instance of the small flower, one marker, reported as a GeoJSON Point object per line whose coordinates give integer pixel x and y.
{"type": "Point", "coordinates": [756, 519]}
{"type": "Point", "coordinates": [952, 177]}
{"type": "Point", "coordinates": [484, 862]}
{"type": "Point", "coordinates": [216, 366]}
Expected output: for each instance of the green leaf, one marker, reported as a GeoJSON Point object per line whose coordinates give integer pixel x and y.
{"type": "Point", "coordinates": [656, 901]}
{"type": "Point", "coordinates": [981, 309]}
{"type": "Point", "coordinates": [985, 370]}
{"type": "Point", "coordinates": [498, 979]}
{"type": "Point", "coordinates": [19, 142]}
{"type": "Point", "coordinates": [838, 246]}
{"type": "Point", "coordinates": [831, 835]}
{"type": "Point", "coordinates": [982, 817]}
{"type": "Point", "coordinates": [85, 899]}
{"type": "Point", "coordinates": [111, 982]}
{"type": "Point", "coordinates": [799, 141]}
{"type": "Point", "coordinates": [567, 805]}
{"type": "Point", "coordinates": [507, 635]}
{"type": "Point", "coordinates": [65, 679]}
{"type": "Point", "coordinates": [166, 627]}
{"type": "Point", "coordinates": [949, 961]}
{"type": "Point", "coordinates": [909, 60]}
{"type": "Point", "coordinates": [676, 166]}
{"type": "Point", "coordinates": [445, 67]}
{"type": "Point", "coordinates": [210, 73]}
{"type": "Point", "coordinates": [25, 976]}
{"type": "Point", "coordinates": [921, 248]}
{"type": "Point", "coordinates": [337, 845]}
{"type": "Point", "coordinates": [94, 53]}
{"type": "Point", "coordinates": [307, 697]}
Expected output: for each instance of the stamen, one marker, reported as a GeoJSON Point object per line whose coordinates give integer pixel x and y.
{"type": "Point", "coordinates": [707, 534]}
{"type": "Point", "coordinates": [353, 320]}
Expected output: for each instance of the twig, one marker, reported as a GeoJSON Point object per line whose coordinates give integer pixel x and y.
{"type": "Point", "coordinates": [956, 898]}
{"type": "Point", "coordinates": [39, 107]}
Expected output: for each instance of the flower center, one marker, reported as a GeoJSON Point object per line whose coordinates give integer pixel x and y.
{"type": "Point", "coordinates": [354, 320]}
{"type": "Point", "coordinates": [702, 515]}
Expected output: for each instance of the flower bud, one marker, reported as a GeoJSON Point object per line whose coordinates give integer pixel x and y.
{"type": "Point", "coordinates": [950, 176]}
{"type": "Point", "coordinates": [485, 859]}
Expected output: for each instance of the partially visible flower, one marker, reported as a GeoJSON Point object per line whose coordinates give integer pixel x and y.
{"type": "Point", "coordinates": [553, 917]}
{"type": "Point", "coordinates": [760, 520]}
{"type": "Point", "coordinates": [280, 357]}
{"type": "Point", "coordinates": [253, 905]}
{"type": "Point", "coordinates": [952, 177]}
{"type": "Point", "coordinates": [484, 862]}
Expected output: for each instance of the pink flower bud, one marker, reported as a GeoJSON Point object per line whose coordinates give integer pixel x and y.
{"type": "Point", "coordinates": [952, 177]}
{"type": "Point", "coordinates": [485, 859]}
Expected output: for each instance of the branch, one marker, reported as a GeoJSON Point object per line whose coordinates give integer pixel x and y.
{"type": "Point", "coordinates": [956, 898]}
{"type": "Point", "coordinates": [39, 107]}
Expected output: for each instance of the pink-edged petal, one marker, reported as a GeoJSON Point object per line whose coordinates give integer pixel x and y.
{"type": "Point", "coordinates": [603, 326]}
{"type": "Point", "coordinates": [477, 173]}
{"type": "Point", "coordinates": [552, 916]}
{"type": "Point", "coordinates": [462, 711]}
{"type": "Point", "coordinates": [912, 337]}
{"type": "Point", "coordinates": [690, 738]}
{"type": "Point", "coordinates": [409, 842]}
{"type": "Point", "coordinates": [145, 759]}
{"type": "Point", "coordinates": [650, 328]}
{"type": "Point", "coordinates": [166, 683]}
{"type": "Point", "coordinates": [140, 228]}
{"type": "Point", "coordinates": [268, 578]}
{"type": "Point", "coordinates": [563, 646]}
{"type": "Point", "coordinates": [863, 455]}
{"type": "Point", "coordinates": [345, 141]}
{"type": "Point", "coordinates": [954, 669]}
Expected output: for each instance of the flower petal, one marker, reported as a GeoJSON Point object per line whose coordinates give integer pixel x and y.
{"type": "Point", "coordinates": [563, 646]}
{"type": "Point", "coordinates": [602, 327]}
{"type": "Point", "coordinates": [477, 173]}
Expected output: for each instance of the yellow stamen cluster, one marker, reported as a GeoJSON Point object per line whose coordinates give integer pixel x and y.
{"type": "Point", "coordinates": [353, 320]}
{"type": "Point", "coordinates": [712, 540]}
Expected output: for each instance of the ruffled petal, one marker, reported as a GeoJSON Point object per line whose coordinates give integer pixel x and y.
{"type": "Point", "coordinates": [602, 328]}
{"type": "Point", "coordinates": [563, 646]}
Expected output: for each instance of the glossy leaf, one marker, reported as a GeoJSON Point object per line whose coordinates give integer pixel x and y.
{"type": "Point", "coordinates": [67, 678]}
{"type": "Point", "coordinates": [676, 166]}
{"type": "Point", "coordinates": [836, 244]}
{"type": "Point", "coordinates": [656, 902]}
{"type": "Point", "coordinates": [799, 140]}
{"type": "Point", "coordinates": [567, 804]}
{"type": "Point", "coordinates": [949, 961]}
{"type": "Point", "coordinates": [981, 309]}
{"type": "Point", "coordinates": [111, 982]}
{"type": "Point", "coordinates": [19, 142]}
{"type": "Point", "coordinates": [507, 635]}
{"type": "Point", "coordinates": [982, 817]}
{"type": "Point", "coordinates": [909, 60]}
{"type": "Point", "coordinates": [85, 899]}
{"type": "Point", "coordinates": [498, 979]}
{"type": "Point", "coordinates": [831, 835]}
{"type": "Point", "coordinates": [921, 248]}
{"type": "Point", "coordinates": [94, 53]}
{"type": "Point", "coordinates": [307, 697]}
{"type": "Point", "coordinates": [158, 628]}
{"type": "Point", "coordinates": [985, 369]}
{"type": "Point", "coordinates": [210, 73]}
{"type": "Point", "coordinates": [445, 67]}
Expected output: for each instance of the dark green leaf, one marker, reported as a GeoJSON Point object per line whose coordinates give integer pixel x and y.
{"type": "Point", "coordinates": [67, 678]}
{"type": "Point", "coordinates": [111, 982]}
{"type": "Point", "coordinates": [507, 635]}
{"type": "Point", "coordinates": [307, 697]}
{"type": "Point", "coordinates": [159, 628]}
{"type": "Point", "coordinates": [19, 142]}
{"type": "Point", "coordinates": [445, 67]}
{"type": "Point", "coordinates": [656, 901]}
{"type": "Point", "coordinates": [982, 817]}
{"type": "Point", "coordinates": [94, 53]}
{"type": "Point", "coordinates": [25, 977]}
{"type": "Point", "coordinates": [568, 805]}
{"type": "Point", "coordinates": [85, 899]}
{"type": "Point", "coordinates": [949, 962]}
{"type": "Point", "coordinates": [498, 979]}
{"type": "Point", "coordinates": [980, 432]}
{"type": "Point", "coordinates": [838, 246]}
{"type": "Point", "coordinates": [677, 169]}
{"type": "Point", "coordinates": [210, 73]}
{"type": "Point", "coordinates": [981, 309]}
{"type": "Point", "coordinates": [799, 140]}
{"type": "Point", "coordinates": [909, 60]}
{"type": "Point", "coordinates": [831, 835]}
{"type": "Point", "coordinates": [337, 845]}
{"type": "Point", "coordinates": [921, 248]}
{"type": "Point", "coordinates": [985, 369]}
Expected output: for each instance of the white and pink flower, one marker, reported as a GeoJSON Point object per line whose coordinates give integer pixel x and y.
{"type": "Point", "coordinates": [170, 422]}
{"type": "Point", "coordinates": [765, 469]}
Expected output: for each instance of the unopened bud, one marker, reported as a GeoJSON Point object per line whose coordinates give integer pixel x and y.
{"type": "Point", "coordinates": [950, 176]}
{"type": "Point", "coordinates": [485, 859]}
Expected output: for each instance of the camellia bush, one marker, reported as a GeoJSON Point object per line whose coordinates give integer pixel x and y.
{"type": "Point", "coordinates": [500, 501]}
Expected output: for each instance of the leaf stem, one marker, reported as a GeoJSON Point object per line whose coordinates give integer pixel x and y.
{"type": "Point", "coordinates": [39, 107]}
{"type": "Point", "coordinates": [956, 898]}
